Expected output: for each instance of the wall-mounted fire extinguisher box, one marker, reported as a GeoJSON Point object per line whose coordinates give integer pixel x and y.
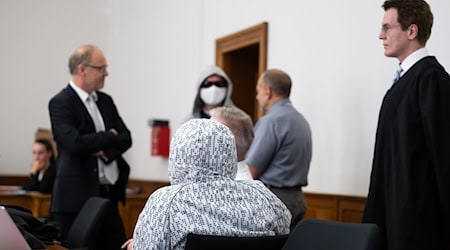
{"type": "Point", "coordinates": [160, 137]}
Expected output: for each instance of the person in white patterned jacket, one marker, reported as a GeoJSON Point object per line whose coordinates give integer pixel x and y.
{"type": "Point", "coordinates": [204, 197]}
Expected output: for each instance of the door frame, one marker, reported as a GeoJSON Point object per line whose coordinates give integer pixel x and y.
{"type": "Point", "coordinates": [254, 35]}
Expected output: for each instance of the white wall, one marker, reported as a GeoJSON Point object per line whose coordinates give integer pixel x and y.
{"type": "Point", "coordinates": [156, 49]}
{"type": "Point", "coordinates": [36, 39]}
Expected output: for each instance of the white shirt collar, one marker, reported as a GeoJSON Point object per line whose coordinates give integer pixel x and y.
{"type": "Point", "coordinates": [413, 58]}
{"type": "Point", "coordinates": [81, 93]}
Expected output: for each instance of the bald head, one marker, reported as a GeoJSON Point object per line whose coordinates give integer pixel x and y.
{"type": "Point", "coordinates": [82, 55]}
{"type": "Point", "coordinates": [278, 81]}
{"type": "Point", "coordinates": [88, 68]}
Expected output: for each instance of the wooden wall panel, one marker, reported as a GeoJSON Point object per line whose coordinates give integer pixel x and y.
{"type": "Point", "coordinates": [130, 212]}
{"type": "Point", "coordinates": [335, 207]}
{"type": "Point", "coordinates": [13, 180]}
{"type": "Point", "coordinates": [147, 187]}
{"type": "Point", "coordinates": [320, 206]}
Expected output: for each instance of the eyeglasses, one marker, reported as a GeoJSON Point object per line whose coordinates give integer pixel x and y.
{"type": "Point", "coordinates": [100, 68]}
{"type": "Point", "coordinates": [385, 28]}
{"type": "Point", "coordinates": [220, 84]}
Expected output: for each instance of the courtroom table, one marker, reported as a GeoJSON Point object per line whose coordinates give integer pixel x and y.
{"type": "Point", "coordinates": [39, 205]}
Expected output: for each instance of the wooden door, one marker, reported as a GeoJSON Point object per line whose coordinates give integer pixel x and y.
{"type": "Point", "coordinates": [243, 56]}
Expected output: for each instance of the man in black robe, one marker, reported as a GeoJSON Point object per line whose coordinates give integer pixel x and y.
{"type": "Point", "coordinates": [409, 194]}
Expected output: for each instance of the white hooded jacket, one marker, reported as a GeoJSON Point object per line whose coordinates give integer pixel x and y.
{"type": "Point", "coordinates": [203, 197]}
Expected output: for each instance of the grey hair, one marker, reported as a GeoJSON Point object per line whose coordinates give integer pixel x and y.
{"type": "Point", "coordinates": [82, 55]}
{"type": "Point", "coordinates": [240, 124]}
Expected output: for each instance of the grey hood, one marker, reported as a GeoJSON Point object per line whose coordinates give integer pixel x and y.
{"type": "Point", "coordinates": [209, 71]}
{"type": "Point", "coordinates": [202, 150]}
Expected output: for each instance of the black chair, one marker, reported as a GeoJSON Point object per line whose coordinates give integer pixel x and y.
{"type": "Point", "coordinates": [209, 242]}
{"type": "Point", "coordinates": [314, 234]}
{"type": "Point", "coordinates": [83, 232]}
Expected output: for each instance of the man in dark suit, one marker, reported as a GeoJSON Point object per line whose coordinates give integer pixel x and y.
{"type": "Point", "coordinates": [91, 138]}
{"type": "Point", "coordinates": [409, 194]}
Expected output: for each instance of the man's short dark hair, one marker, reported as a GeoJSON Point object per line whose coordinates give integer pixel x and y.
{"type": "Point", "coordinates": [278, 81]}
{"type": "Point", "coordinates": [416, 12]}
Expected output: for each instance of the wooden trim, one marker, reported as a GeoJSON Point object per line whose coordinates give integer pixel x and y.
{"type": "Point", "coordinates": [255, 35]}
{"type": "Point", "coordinates": [346, 208]}
{"type": "Point", "coordinates": [143, 186]}
{"type": "Point", "coordinates": [13, 180]}
{"type": "Point", "coordinates": [146, 187]}
{"type": "Point", "coordinates": [321, 207]}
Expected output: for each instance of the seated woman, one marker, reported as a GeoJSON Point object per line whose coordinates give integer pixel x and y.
{"type": "Point", "coordinates": [204, 197]}
{"type": "Point", "coordinates": [43, 171]}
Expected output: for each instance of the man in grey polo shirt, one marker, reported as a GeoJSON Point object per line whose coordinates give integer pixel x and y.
{"type": "Point", "coordinates": [282, 148]}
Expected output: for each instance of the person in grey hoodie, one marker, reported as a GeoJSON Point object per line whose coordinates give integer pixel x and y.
{"type": "Point", "coordinates": [214, 90]}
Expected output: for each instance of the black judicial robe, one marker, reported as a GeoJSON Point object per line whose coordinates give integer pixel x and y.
{"type": "Point", "coordinates": [409, 193]}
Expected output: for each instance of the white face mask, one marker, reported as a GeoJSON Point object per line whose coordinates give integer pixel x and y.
{"type": "Point", "coordinates": [213, 95]}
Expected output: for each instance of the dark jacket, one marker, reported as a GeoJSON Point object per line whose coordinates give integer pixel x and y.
{"type": "Point", "coordinates": [77, 142]}
{"type": "Point", "coordinates": [45, 185]}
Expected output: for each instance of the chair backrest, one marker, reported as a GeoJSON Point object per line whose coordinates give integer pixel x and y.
{"type": "Point", "coordinates": [314, 234]}
{"type": "Point", "coordinates": [208, 242]}
{"type": "Point", "coordinates": [82, 233]}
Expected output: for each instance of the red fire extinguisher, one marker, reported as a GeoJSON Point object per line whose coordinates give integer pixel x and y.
{"type": "Point", "coordinates": [160, 137]}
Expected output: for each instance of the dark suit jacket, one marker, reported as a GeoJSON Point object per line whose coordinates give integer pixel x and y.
{"type": "Point", "coordinates": [77, 141]}
{"type": "Point", "coordinates": [45, 185]}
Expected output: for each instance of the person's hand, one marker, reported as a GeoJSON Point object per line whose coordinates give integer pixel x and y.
{"type": "Point", "coordinates": [128, 244]}
{"type": "Point", "coordinates": [37, 166]}
{"type": "Point", "coordinates": [99, 153]}
{"type": "Point", "coordinates": [113, 131]}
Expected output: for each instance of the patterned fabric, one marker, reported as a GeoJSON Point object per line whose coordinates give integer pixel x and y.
{"type": "Point", "coordinates": [204, 198]}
